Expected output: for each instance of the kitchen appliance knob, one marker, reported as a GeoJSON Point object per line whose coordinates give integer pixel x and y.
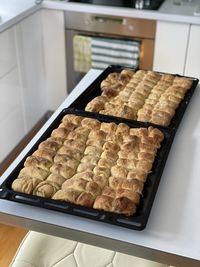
{"type": "Point", "coordinates": [130, 27]}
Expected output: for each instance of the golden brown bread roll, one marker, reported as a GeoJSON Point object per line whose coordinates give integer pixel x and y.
{"type": "Point", "coordinates": [56, 178]}
{"type": "Point", "coordinates": [34, 172]}
{"type": "Point", "coordinates": [25, 184]}
{"type": "Point", "coordinates": [66, 195]}
{"type": "Point", "coordinates": [45, 153]}
{"type": "Point", "coordinates": [63, 170]}
{"type": "Point", "coordinates": [35, 161]}
{"type": "Point", "coordinates": [46, 189]}
{"type": "Point", "coordinates": [74, 153]}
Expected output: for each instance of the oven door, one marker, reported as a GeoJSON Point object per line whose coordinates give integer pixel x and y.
{"type": "Point", "coordinates": [116, 28]}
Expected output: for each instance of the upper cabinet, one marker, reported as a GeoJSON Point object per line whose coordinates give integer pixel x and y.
{"type": "Point", "coordinates": [171, 47]}
{"type": "Point", "coordinates": [177, 48]}
{"type": "Point", "coordinates": [192, 67]}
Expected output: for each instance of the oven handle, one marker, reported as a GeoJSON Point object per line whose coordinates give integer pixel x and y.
{"type": "Point", "coordinates": [110, 20]}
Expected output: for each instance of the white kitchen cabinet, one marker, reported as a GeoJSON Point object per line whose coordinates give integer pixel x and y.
{"type": "Point", "coordinates": [192, 67]}
{"type": "Point", "coordinates": [11, 107]}
{"type": "Point", "coordinates": [11, 113]}
{"type": "Point", "coordinates": [171, 47]}
{"type": "Point", "coordinates": [7, 52]}
{"type": "Point", "coordinates": [31, 64]}
{"type": "Point", "coordinates": [54, 56]}
{"type": "Point", "coordinates": [32, 74]}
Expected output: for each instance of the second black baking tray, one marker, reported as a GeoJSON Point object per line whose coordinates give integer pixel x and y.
{"type": "Point", "coordinates": [94, 90]}
{"type": "Point", "coordinates": [137, 222]}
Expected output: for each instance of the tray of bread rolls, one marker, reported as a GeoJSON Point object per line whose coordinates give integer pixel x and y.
{"type": "Point", "coordinates": [95, 166]}
{"type": "Point", "coordinates": [141, 95]}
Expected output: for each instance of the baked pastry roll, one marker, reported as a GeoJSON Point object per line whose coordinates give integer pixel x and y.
{"type": "Point", "coordinates": [144, 165]}
{"type": "Point", "coordinates": [138, 174]}
{"type": "Point", "coordinates": [76, 184]}
{"type": "Point", "coordinates": [82, 167]}
{"type": "Point", "coordinates": [46, 189]}
{"type": "Point", "coordinates": [63, 170]}
{"type": "Point", "coordinates": [56, 178]}
{"type": "Point", "coordinates": [119, 205]}
{"type": "Point", "coordinates": [92, 150]}
{"type": "Point", "coordinates": [97, 135]}
{"type": "Point", "coordinates": [111, 155]}
{"type": "Point", "coordinates": [57, 140]}
{"type": "Point", "coordinates": [134, 185]}
{"type": "Point", "coordinates": [110, 146]}
{"type": "Point", "coordinates": [115, 182]}
{"type": "Point", "coordinates": [95, 143]}
{"type": "Point", "coordinates": [69, 126]}
{"type": "Point", "coordinates": [66, 160]}
{"type": "Point", "coordinates": [96, 105]}
{"type": "Point", "coordinates": [90, 159]}
{"type": "Point", "coordinates": [48, 144]}
{"type": "Point", "coordinates": [34, 161]}
{"type": "Point", "coordinates": [123, 205]}
{"type": "Point", "coordinates": [119, 171]}
{"type": "Point", "coordinates": [76, 154]}
{"type": "Point", "coordinates": [34, 172]}
{"type": "Point", "coordinates": [130, 194]}
{"type": "Point", "coordinates": [112, 90]}
{"type": "Point", "coordinates": [146, 156]}
{"type": "Point", "coordinates": [75, 144]}
{"type": "Point", "coordinates": [128, 155]}
{"type": "Point", "coordinates": [127, 163]}
{"type": "Point", "coordinates": [45, 153]}
{"type": "Point", "coordinates": [91, 124]}
{"type": "Point", "coordinates": [106, 163]}
{"type": "Point", "coordinates": [102, 171]}
{"type": "Point", "coordinates": [74, 119]}
{"type": "Point", "coordinates": [69, 194]}
{"type": "Point", "coordinates": [108, 127]}
{"type": "Point", "coordinates": [60, 132]}
{"type": "Point", "coordinates": [101, 180]}
{"type": "Point", "coordinates": [82, 131]}
{"type": "Point", "coordinates": [87, 175]}
{"type": "Point", "coordinates": [85, 199]}
{"type": "Point", "coordinates": [25, 184]}
{"type": "Point", "coordinates": [93, 188]}
{"type": "Point", "coordinates": [103, 202]}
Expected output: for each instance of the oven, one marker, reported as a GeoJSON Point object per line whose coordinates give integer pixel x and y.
{"type": "Point", "coordinates": [82, 29]}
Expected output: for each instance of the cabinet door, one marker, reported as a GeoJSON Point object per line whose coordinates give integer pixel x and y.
{"type": "Point", "coordinates": [7, 52]}
{"type": "Point", "coordinates": [192, 67]}
{"type": "Point", "coordinates": [31, 64]}
{"type": "Point", "coordinates": [54, 56]}
{"type": "Point", "coordinates": [171, 47]}
{"type": "Point", "coordinates": [11, 113]}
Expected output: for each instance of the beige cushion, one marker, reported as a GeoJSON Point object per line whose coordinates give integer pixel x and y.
{"type": "Point", "coordinates": [40, 250]}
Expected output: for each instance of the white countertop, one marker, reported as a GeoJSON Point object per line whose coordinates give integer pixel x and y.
{"type": "Point", "coordinates": [12, 11]}
{"type": "Point", "coordinates": [172, 234]}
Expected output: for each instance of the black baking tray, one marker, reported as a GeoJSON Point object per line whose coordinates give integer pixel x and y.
{"type": "Point", "coordinates": [94, 90]}
{"type": "Point", "coordinates": [137, 221]}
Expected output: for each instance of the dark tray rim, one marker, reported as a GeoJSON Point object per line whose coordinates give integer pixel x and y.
{"type": "Point", "coordinates": [137, 221]}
